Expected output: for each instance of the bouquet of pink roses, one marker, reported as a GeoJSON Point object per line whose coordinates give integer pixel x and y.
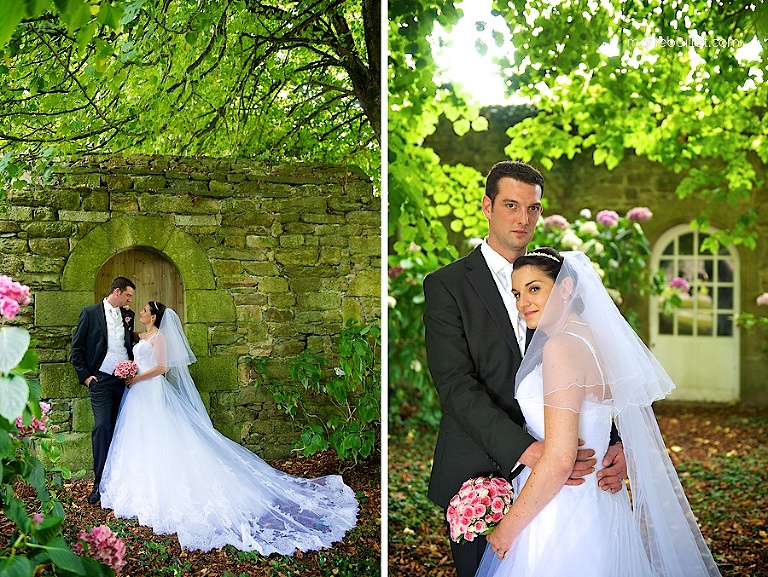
{"type": "Point", "coordinates": [478, 506]}
{"type": "Point", "coordinates": [126, 369]}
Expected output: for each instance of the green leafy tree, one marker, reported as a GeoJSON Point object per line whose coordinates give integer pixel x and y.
{"type": "Point", "coordinates": [240, 78]}
{"type": "Point", "coordinates": [661, 80]}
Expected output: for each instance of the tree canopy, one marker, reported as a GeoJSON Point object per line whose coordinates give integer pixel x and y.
{"type": "Point", "coordinates": [240, 78]}
{"type": "Point", "coordinates": [663, 80]}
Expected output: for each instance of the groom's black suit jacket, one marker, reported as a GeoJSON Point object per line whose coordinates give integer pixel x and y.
{"type": "Point", "coordinates": [473, 356]}
{"type": "Point", "coordinates": [89, 345]}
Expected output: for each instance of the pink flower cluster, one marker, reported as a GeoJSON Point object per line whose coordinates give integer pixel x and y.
{"type": "Point", "coordinates": [478, 506]}
{"type": "Point", "coordinates": [12, 296]}
{"type": "Point", "coordinates": [680, 283]}
{"type": "Point", "coordinates": [556, 221]}
{"type": "Point", "coordinates": [762, 300]}
{"type": "Point", "coordinates": [639, 214]}
{"type": "Point", "coordinates": [126, 369]}
{"type": "Point", "coordinates": [103, 545]}
{"type": "Point", "coordinates": [607, 217]}
{"type": "Point", "coordinates": [36, 424]}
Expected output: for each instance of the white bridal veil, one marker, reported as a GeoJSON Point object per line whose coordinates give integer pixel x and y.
{"type": "Point", "coordinates": [632, 379]}
{"type": "Point", "coordinates": [178, 355]}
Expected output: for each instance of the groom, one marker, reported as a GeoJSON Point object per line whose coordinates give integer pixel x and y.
{"type": "Point", "coordinates": [104, 337]}
{"type": "Point", "coordinates": [475, 341]}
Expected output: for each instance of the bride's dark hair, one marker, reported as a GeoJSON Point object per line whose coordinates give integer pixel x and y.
{"type": "Point", "coordinates": [156, 308]}
{"type": "Point", "coordinates": [546, 259]}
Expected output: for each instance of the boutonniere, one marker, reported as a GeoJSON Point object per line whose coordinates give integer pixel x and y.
{"type": "Point", "coordinates": [127, 320]}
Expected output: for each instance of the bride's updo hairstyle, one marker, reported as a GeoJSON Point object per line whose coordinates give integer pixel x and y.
{"type": "Point", "coordinates": [548, 261]}
{"type": "Point", "coordinates": [157, 309]}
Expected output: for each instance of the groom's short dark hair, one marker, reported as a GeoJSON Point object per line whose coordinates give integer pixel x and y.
{"type": "Point", "coordinates": [515, 170]}
{"type": "Point", "coordinates": [121, 283]}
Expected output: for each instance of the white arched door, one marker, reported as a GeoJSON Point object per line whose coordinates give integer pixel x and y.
{"type": "Point", "coordinates": [698, 343]}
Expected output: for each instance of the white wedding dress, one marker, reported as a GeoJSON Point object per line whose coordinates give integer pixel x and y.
{"type": "Point", "coordinates": [172, 471]}
{"type": "Point", "coordinates": [583, 530]}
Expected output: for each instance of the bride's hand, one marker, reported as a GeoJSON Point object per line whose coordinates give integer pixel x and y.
{"type": "Point", "coordinates": [501, 539]}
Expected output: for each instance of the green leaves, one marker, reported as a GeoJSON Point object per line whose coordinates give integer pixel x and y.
{"type": "Point", "coordinates": [338, 409]}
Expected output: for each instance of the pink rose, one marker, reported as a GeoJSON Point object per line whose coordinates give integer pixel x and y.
{"type": "Point", "coordinates": [762, 300]}
{"type": "Point", "coordinates": [497, 505]}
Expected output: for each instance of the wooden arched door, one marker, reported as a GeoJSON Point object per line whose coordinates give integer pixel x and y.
{"type": "Point", "coordinates": [155, 277]}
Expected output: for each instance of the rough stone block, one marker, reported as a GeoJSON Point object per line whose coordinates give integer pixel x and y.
{"type": "Point", "coordinates": [365, 246]}
{"type": "Point", "coordinates": [208, 306]}
{"type": "Point", "coordinates": [47, 246]}
{"type": "Point", "coordinates": [260, 242]}
{"type": "Point", "coordinates": [301, 256]}
{"type": "Point", "coordinates": [197, 335]}
{"type": "Point", "coordinates": [59, 380]}
{"type": "Point", "coordinates": [82, 265]}
{"type": "Point", "coordinates": [149, 182]}
{"type": "Point", "coordinates": [365, 283]}
{"type": "Point", "coordinates": [182, 248]}
{"type": "Point", "coordinates": [319, 301]}
{"type": "Point", "coordinates": [60, 308]}
{"type": "Point", "coordinates": [13, 246]}
{"type": "Point", "coordinates": [46, 229]}
{"type": "Point", "coordinates": [226, 267]}
{"type": "Point", "coordinates": [215, 374]}
{"type": "Point", "coordinates": [82, 416]}
{"type": "Point", "coordinates": [274, 285]}
{"type": "Point", "coordinates": [118, 181]}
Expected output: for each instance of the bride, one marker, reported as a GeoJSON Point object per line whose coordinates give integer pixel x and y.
{"type": "Point", "coordinates": [170, 469]}
{"type": "Point", "coordinates": [585, 367]}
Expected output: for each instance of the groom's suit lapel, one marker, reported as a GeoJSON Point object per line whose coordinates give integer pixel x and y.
{"type": "Point", "coordinates": [479, 276]}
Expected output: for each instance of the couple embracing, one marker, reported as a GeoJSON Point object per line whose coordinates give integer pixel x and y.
{"type": "Point", "coordinates": [543, 382]}
{"type": "Point", "coordinates": [158, 458]}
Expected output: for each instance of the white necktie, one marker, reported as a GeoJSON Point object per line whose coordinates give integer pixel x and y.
{"type": "Point", "coordinates": [506, 276]}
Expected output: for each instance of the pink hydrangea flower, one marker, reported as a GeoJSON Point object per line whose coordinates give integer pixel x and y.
{"type": "Point", "coordinates": [762, 300]}
{"type": "Point", "coordinates": [639, 214]}
{"type": "Point", "coordinates": [103, 545]}
{"type": "Point", "coordinates": [12, 296]}
{"type": "Point", "coordinates": [680, 283]}
{"type": "Point", "coordinates": [556, 221]}
{"type": "Point", "coordinates": [607, 217]}
{"type": "Point", "coordinates": [395, 271]}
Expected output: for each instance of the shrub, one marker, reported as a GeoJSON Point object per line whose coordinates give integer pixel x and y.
{"type": "Point", "coordinates": [349, 394]}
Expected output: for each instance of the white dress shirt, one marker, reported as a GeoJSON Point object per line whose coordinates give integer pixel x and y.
{"type": "Point", "coordinates": [116, 350]}
{"type": "Point", "coordinates": [502, 274]}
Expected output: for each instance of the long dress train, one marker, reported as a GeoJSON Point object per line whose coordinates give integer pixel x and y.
{"type": "Point", "coordinates": [178, 474]}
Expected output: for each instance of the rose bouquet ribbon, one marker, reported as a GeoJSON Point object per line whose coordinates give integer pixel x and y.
{"type": "Point", "coordinates": [478, 506]}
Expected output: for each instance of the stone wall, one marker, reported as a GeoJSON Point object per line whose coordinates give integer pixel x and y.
{"type": "Point", "coordinates": [575, 184]}
{"type": "Point", "coordinates": [273, 259]}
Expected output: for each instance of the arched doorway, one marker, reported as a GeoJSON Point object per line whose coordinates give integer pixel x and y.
{"type": "Point", "coordinates": [698, 343]}
{"type": "Point", "coordinates": [155, 277]}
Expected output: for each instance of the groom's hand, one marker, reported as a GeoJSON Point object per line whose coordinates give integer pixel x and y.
{"type": "Point", "coordinates": [612, 477]}
{"type": "Point", "coordinates": [584, 465]}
